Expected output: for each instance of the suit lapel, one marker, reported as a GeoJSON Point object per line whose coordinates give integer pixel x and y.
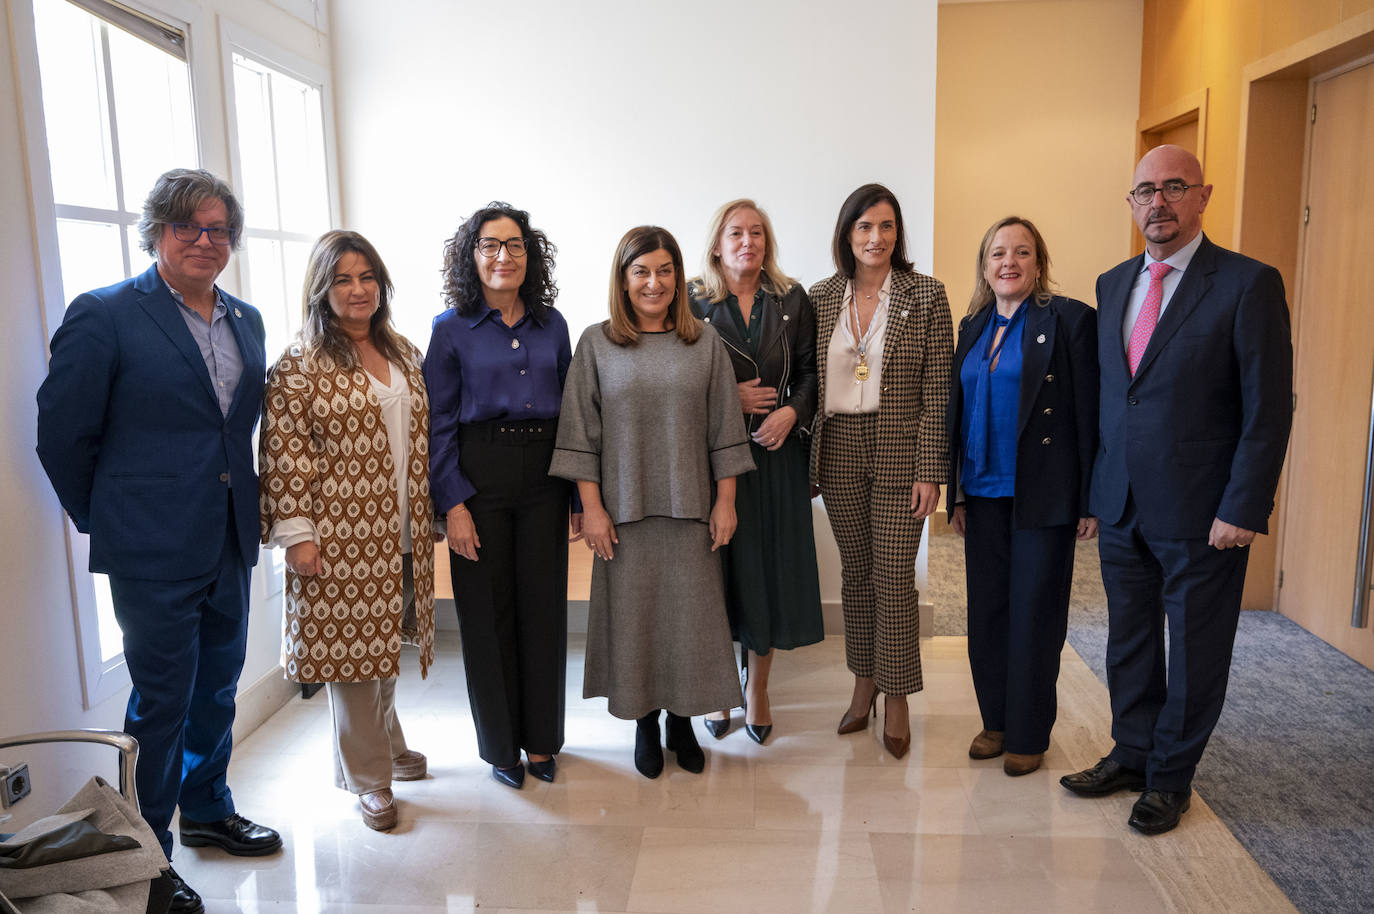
{"type": "Point", "coordinates": [247, 354]}
{"type": "Point", "coordinates": [1112, 311]}
{"type": "Point", "coordinates": [1037, 344]}
{"type": "Point", "coordinates": [1195, 284]}
{"type": "Point", "coordinates": [898, 312]}
{"type": "Point", "coordinates": [827, 305]}
{"type": "Point", "coordinates": [159, 305]}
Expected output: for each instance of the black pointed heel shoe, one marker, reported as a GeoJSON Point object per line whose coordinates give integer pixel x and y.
{"type": "Point", "coordinates": [543, 770]}
{"type": "Point", "coordinates": [511, 777]}
{"type": "Point", "coordinates": [758, 732]}
{"type": "Point", "coordinates": [717, 728]}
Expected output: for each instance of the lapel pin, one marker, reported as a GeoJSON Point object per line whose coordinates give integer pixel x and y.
{"type": "Point", "coordinates": [238, 313]}
{"type": "Point", "coordinates": [787, 317]}
{"type": "Point", "coordinates": [1040, 338]}
{"type": "Point", "coordinates": [905, 312]}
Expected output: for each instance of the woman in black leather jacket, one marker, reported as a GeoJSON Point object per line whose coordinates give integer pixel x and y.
{"type": "Point", "coordinates": [769, 328]}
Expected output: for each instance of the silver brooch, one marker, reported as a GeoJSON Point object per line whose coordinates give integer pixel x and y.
{"type": "Point", "coordinates": [238, 313]}
{"type": "Point", "coordinates": [1040, 338]}
{"type": "Point", "coordinates": [905, 312]}
{"type": "Point", "coordinates": [515, 344]}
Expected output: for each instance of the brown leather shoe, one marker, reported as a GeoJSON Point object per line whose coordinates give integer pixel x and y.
{"type": "Point", "coordinates": [897, 745]}
{"type": "Point", "coordinates": [1017, 764]}
{"type": "Point", "coordinates": [987, 744]}
{"type": "Point", "coordinates": [379, 809]}
{"type": "Point", "coordinates": [409, 766]}
{"type": "Point", "coordinates": [850, 724]}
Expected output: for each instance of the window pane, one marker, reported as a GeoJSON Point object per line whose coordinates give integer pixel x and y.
{"type": "Point", "coordinates": [257, 162]}
{"type": "Point", "coordinates": [265, 291]}
{"type": "Point", "coordinates": [295, 254]}
{"type": "Point", "coordinates": [300, 155]}
{"type": "Point", "coordinates": [92, 255]}
{"type": "Point", "coordinates": [70, 64]}
{"type": "Point", "coordinates": [111, 637]}
{"type": "Point", "coordinates": [153, 112]}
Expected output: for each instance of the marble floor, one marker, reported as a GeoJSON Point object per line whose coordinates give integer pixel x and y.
{"type": "Point", "coordinates": [811, 822]}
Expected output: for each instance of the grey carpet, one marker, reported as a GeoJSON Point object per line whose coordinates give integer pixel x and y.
{"type": "Point", "coordinates": [1290, 767]}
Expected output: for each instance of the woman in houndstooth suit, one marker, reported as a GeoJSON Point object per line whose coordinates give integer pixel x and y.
{"type": "Point", "coordinates": [884, 345]}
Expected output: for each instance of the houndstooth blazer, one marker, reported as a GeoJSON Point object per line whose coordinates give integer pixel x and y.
{"type": "Point", "coordinates": [918, 346]}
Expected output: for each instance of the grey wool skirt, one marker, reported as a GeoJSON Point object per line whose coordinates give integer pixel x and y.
{"type": "Point", "coordinates": [657, 633]}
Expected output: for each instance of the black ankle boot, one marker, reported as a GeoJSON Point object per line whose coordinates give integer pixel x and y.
{"type": "Point", "coordinates": [683, 741]}
{"type": "Point", "coordinates": [648, 753]}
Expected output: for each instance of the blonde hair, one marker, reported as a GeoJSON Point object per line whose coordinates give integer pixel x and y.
{"type": "Point", "coordinates": [623, 329]}
{"type": "Point", "coordinates": [1043, 290]}
{"type": "Point", "coordinates": [712, 279]}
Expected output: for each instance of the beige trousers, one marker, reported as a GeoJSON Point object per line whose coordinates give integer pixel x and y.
{"type": "Point", "coordinates": [367, 733]}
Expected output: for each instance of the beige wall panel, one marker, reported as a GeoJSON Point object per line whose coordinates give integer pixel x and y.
{"type": "Point", "coordinates": [1033, 119]}
{"type": "Point", "coordinates": [1352, 7]}
{"type": "Point", "coordinates": [1180, 48]}
{"type": "Point", "coordinates": [1288, 21]}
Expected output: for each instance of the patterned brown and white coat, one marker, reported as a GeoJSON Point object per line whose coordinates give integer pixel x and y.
{"type": "Point", "coordinates": [918, 345]}
{"type": "Point", "coordinates": [324, 455]}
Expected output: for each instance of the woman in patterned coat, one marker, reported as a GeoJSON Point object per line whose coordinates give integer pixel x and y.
{"type": "Point", "coordinates": [345, 489]}
{"type": "Point", "coordinates": [884, 341]}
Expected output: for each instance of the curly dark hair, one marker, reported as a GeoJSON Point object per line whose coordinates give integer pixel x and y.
{"type": "Point", "coordinates": [462, 286]}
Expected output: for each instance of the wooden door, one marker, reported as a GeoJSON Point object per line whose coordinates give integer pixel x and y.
{"type": "Point", "coordinates": [1334, 369]}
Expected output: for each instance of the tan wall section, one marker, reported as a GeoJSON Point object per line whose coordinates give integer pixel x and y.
{"type": "Point", "coordinates": [1190, 45]}
{"type": "Point", "coordinates": [1036, 104]}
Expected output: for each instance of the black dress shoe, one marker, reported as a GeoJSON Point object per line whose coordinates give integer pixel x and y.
{"type": "Point", "coordinates": [648, 752]}
{"type": "Point", "coordinates": [758, 732]}
{"type": "Point", "coordinates": [1158, 811]}
{"type": "Point", "coordinates": [683, 741]}
{"type": "Point", "coordinates": [234, 835]}
{"type": "Point", "coordinates": [183, 898]}
{"type": "Point", "coordinates": [1103, 778]}
{"type": "Point", "coordinates": [511, 777]}
{"type": "Point", "coordinates": [717, 728]}
{"type": "Point", "coordinates": [543, 770]}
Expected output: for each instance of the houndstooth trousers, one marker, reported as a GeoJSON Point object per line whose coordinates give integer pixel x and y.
{"type": "Point", "coordinates": [878, 539]}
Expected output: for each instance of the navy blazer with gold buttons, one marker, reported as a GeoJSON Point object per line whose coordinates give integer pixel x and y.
{"type": "Point", "coordinates": [1056, 417]}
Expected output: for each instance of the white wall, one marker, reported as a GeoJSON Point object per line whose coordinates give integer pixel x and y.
{"type": "Point", "coordinates": [598, 116]}
{"type": "Point", "coordinates": [40, 680]}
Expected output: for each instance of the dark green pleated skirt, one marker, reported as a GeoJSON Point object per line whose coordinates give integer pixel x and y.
{"type": "Point", "coordinates": [772, 592]}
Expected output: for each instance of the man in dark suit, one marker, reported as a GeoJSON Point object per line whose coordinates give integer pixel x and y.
{"type": "Point", "coordinates": [1197, 372]}
{"type": "Point", "coordinates": [145, 426]}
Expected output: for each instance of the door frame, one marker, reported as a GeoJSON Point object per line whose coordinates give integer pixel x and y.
{"type": "Point", "coordinates": [1275, 135]}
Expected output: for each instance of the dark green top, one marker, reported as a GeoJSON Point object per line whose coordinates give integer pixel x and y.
{"type": "Point", "coordinates": [750, 333]}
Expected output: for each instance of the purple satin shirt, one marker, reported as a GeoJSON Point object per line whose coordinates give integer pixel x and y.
{"type": "Point", "coordinates": [478, 369]}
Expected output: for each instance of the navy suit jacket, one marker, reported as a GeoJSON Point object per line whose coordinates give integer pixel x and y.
{"type": "Point", "coordinates": [1056, 417]}
{"type": "Point", "coordinates": [1201, 430]}
{"type": "Point", "coordinates": [132, 438]}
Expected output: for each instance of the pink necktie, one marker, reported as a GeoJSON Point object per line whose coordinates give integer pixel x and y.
{"type": "Point", "coordinates": [1148, 317]}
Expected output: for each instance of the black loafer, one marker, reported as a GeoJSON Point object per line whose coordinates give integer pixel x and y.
{"type": "Point", "coordinates": [543, 770]}
{"type": "Point", "coordinates": [648, 753]}
{"type": "Point", "coordinates": [183, 899]}
{"type": "Point", "coordinates": [681, 740]}
{"type": "Point", "coordinates": [511, 777]}
{"type": "Point", "coordinates": [1106, 777]}
{"type": "Point", "coordinates": [233, 835]}
{"type": "Point", "coordinates": [1158, 811]}
{"type": "Point", "coordinates": [758, 732]}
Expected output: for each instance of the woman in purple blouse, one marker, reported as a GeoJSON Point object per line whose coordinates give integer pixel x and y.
{"type": "Point", "coordinates": [495, 368]}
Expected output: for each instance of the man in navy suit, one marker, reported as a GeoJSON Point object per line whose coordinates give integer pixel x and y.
{"type": "Point", "coordinates": [145, 426]}
{"type": "Point", "coordinates": [1196, 404]}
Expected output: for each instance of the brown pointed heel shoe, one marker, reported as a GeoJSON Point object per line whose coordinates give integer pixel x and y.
{"type": "Point", "coordinates": [987, 744]}
{"type": "Point", "coordinates": [851, 724]}
{"type": "Point", "coordinates": [897, 745]}
{"type": "Point", "coordinates": [1017, 764]}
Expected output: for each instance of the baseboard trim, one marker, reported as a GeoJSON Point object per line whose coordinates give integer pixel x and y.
{"type": "Point", "coordinates": [259, 701]}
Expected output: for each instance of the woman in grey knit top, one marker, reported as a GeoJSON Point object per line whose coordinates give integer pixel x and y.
{"type": "Point", "coordinates": [651, 431]}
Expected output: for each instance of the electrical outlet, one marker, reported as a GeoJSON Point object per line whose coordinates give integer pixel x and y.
{"type": "Point", "coordinates": [14, 784]}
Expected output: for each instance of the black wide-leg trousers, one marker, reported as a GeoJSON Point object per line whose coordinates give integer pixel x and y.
{"type": "Point", "coordinates": [1018, 611]}
{"type": "Point", "coordinates": [513, 601]}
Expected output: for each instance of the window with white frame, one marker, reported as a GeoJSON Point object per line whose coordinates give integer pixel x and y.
{"type": "Point", "coordinates": [117, 112]}
{"type": "Point", "coordinates": [279, 148]}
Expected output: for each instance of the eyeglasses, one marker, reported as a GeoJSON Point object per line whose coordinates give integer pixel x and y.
{"type": "Point", "coordinates": [1173, 191]}
{"type": "Point", "coordinates": [187, 233]}
{"type": "Point", "coordinates": [490, 247]}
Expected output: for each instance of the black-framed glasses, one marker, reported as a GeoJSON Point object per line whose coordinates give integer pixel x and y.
{"type": "Point", "coordinates": [187, 233]}
{"type": "Point", "coordinates": [1173, 191]}
{"type": "Point", "coordinates": [490, 247]}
